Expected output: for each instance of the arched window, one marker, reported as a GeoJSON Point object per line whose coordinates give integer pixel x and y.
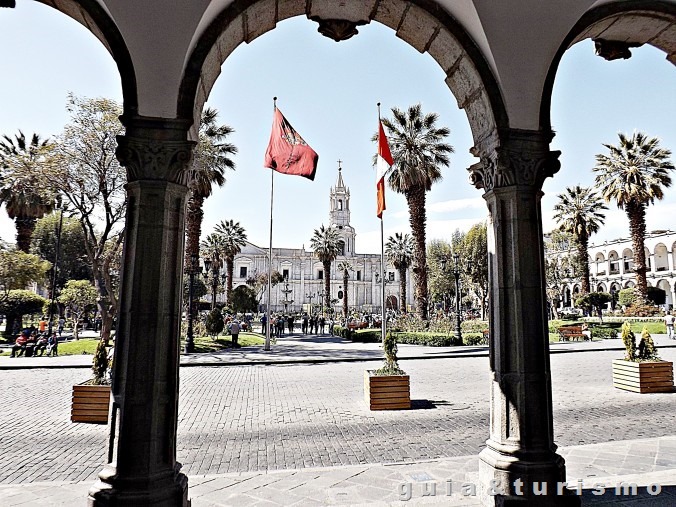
{"type": "Point", "coordinates": [340, 205]}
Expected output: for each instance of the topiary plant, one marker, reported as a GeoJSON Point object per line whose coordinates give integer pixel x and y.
{"type": "Point", "coordinates": [646, 347]}
{"type": "Point", "coordinates": [629, 341]}
{"type": "Point", "coordinates": [391, 366]}
{"type": "Point", "coordinates": [101, 364]}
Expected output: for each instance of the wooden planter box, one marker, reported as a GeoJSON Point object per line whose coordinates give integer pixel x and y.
{"type": "Point", "coordinates": [646, 377]}
{"type": "Point", "coordinates": [90, 404]}
{"type": "Point", "coordinates": [387, 392]}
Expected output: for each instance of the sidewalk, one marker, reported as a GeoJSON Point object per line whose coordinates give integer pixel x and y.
{"type": "Point", "coordinates": [645, 463]}
{"type": "Point", "coordinates": [298, 348]}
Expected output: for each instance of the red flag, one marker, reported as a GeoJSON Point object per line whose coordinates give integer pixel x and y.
{"type": "Point", "coordinates": [384, 161]}
{"type": "Point", "coordinates": [287, 152]}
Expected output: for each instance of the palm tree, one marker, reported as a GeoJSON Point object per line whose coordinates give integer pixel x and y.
{"type": "Point", "coordinates": [399, 251]}
{"type": "Point", "coordinates": [211, 159]}
{"type": "Point", "coordinates": [23, 192]}
{"type": "Point", "coordinates": [327, 244]}
{"type": "Point", "coordinates": [578, 212]}
{"type": "Point", "coordinates": [419, 152]}
{"type": "Point", "coordinates": [633, 175]}
{"type": "Point", "coordinates": [345, 267]}
{"type": "Point", "coordinates": [213, 247]}
{"type": "Point", "coordinates": [233, 238]}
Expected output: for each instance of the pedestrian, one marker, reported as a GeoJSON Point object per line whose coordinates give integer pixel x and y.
{"type": "Point", "coordinates": [304, 323]}
{"type": "Point", "coordinates": [264, 321]}
{"type": "Point", "coordinates": [289, 321]}
{"type": "Point", "coordinates": [322, 323]}
{"type": "Point", "coordinates": [234, 331]}
{"type": "Point", "coordinates": [52, 345]}
{"type": "Point", "coordinates": [669, 321]}
{"type": "Point", "coordinates": [62, 323]}
{"type": "Point", "coordinates": [331, 324]}
{"type": "Point", "coordinates": [42, 325]}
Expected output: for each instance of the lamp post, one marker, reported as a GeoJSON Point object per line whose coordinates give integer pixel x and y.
{"type": "Point", "coordinates": [310, 296]}
{"type": "Point", "coordinates": [286, 291]}
{"type": "Point", "coordinates": [321, 294]}
{"type": "Point", "coordinates": [61, 207]}
{"type": "Point", "coordinates": [190, 341]}
{"type": "Point", "coordinates": [456, 274]}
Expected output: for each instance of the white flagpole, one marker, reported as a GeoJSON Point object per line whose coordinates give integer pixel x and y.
{"type": "Point", "coordinates": [382, 277]}
{"type": "Point", "coordinates": [382, 261]}
{"type": "Point", "coordinates": [272, 193]}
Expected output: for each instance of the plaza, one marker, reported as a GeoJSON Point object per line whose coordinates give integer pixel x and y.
{"type": "Point", "coordinates": [252, 432]}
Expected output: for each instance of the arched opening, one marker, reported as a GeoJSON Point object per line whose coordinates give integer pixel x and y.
{"type": "Point", "coordinates": [661, 257]}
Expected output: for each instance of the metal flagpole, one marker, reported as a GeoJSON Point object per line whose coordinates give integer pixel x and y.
{"type": "Point", "coordinates": [272, 188]}
{"type": "Point", "coordinates": [382, 261]}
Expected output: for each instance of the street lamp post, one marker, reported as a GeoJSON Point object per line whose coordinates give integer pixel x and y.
{"type": "Point", "coordinates": [456, 274]}
{"type": "Point", "coordinates": [61, 207]}
{"type": "Point", "coordinates": [190, 341]}
{"type": "Point", "coordinates": [321, 294]}
{"type": "Point", "coordinates": [286, 291]}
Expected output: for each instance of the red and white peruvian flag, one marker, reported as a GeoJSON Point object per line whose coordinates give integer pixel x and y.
{"type": "Point", "coordinates": [384, 162]}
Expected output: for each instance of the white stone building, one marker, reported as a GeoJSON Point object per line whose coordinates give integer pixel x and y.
{"type": "Point", "coordinates": [304, 272]}
{"type": "Point", "coordinates": [611, 266]}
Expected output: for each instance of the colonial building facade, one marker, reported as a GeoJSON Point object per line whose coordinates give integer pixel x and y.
{"type": "Point", "coordinates": [611, 266]}
{"type": "Point", "coordinates": [304, 273]}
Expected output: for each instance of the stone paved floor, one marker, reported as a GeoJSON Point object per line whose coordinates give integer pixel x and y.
{"type": "Point", "coordinates": [253, 418]}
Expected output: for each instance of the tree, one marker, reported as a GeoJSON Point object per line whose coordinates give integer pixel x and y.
{"type": "Point", "coordinates": [259, 282]}
{"type": "Point", "coordinates": [243, 299]}
{"type": "Point", "coordinates": [578, 212]}
{"type": "Point", "coordinates": [419, 151]}
{"type": "Point", "coordinates": [83, 169]}
{"type": "Point", "coordinates": [441, 285]}
{"type": "Point", "coordinates": [399, 251]}
{"type": "Point", "coordinates": [79, 298]}
{"type": "Point", "coordinates": [214, 323]}
{"type": "Point", "coordinates": [212, 247]}
{"type": "Point", "coordinates": [210, 160]}
{"type": "Point", "coordinates": [345, 267]}
{"type": "Point", "coordinates": [327, 245]}
{"type": "Point", "coordinates": [233, 239]}
{"type": "Point", "coordinates": [19, 269]}
{"type": "Point", "coordinates": [16, 304]}
{"type": "Point", "coordinates": [474, 249]}
{"type": "Point", "coordinates": [73, 262]}
{"type": "Point", "coordinates": [633, 175]}
{"type": "Point", "coordinates": [23, 191]}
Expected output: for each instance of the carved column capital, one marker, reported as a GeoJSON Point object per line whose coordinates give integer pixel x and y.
{"type": "Point", "coordinates": [521, 158]}
{"type": "Point", "coordinates": [155, 149]}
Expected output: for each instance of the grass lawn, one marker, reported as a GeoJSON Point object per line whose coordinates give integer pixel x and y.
{"type": "Point", "coordinates": [207, 344]}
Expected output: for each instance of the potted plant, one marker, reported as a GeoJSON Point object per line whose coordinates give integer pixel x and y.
{"type": "Point", "coordinates": [388, 387]}
{"type": "Point", "coordinates": [91, 399]}
{"type": "Point", "coordinates": [642, 370]}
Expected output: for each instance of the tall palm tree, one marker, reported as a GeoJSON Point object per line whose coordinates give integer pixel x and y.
{"type": "Point", "coordinates": [399, 251]}
{"type": "Point", "coordinates": [345, 267]}
{"type": "Point", "coordinates": [22, 191]}
{"type": "Point", "coordinates": [633, 174]}
{"type": "Point", "coordinates": [211, 158]}
{"type": "Point", "coordinates": [233, 238]}
{"type": "Point", "coordinates": [327, 244]}
{"type": "Point", "coordinates": [419, 151]}
{"type": "Point", "coordinates": [212, 248]}
{"type": "Point", "coordinates": [579, 212]}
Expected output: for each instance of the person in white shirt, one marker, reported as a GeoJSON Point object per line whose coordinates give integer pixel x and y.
{"type": "Point", "coordinates": [669, 321]}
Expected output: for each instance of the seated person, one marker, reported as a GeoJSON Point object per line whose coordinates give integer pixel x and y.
{"type": "Point", "coordinates": [53, 345]}
{"type": "Point", "coordinates": [586, 332]}
{"type": "Point", "coordinates": [20, 344]}
{"type": "Point", "coordinates": [40, 344]}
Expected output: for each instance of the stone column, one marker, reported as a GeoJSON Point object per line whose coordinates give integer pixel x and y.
{"type": "Point", "coordinates": [520, 458]}
{"type": "Point", "coordinates": [144, 471]}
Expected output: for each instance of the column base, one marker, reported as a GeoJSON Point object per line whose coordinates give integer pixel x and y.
{"type": "Point", "coordinates": [537, 480]}
{"type": "Point", "coordinates": [170, 490]}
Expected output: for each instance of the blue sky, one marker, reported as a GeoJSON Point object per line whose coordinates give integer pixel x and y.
{"type": "Point", "coordinates": [328, 91]}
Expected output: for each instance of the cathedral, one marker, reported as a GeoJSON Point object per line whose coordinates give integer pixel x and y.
{"type": "Point", "coordinates": [303, 273]}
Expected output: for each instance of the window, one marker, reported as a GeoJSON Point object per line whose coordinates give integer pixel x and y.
{"type": "Point", "coordinates": [358, 276]}
{"type": "Point", "coordinates": [285, 274]}
{"type": "Point", "coordinates": [320, 274]}
{"type": "Point", "coordinates": [242, 272]}
{"type": "Point", "coordinates": [340, 205]}
{"type": "Point", "coordinates": [390, 275]}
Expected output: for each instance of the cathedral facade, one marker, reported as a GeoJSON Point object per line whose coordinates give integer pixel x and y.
{"type": "Point", "coordinates": [303, 272]}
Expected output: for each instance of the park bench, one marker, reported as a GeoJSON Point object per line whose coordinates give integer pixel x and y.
{"type": "Point", "coordinates": [567, 333]}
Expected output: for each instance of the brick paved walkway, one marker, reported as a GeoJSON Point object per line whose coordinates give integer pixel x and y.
{"type": "Point", "coordinates": [252, 418]}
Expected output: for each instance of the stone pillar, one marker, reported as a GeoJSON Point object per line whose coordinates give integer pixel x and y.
{"type": "Point", "coordinates": [144, 471]}
{"type": "Point", "coordinates": [520, 448]}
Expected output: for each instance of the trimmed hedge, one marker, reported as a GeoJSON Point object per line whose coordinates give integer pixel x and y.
{"type": "Point", "coordinates": [474, 339]}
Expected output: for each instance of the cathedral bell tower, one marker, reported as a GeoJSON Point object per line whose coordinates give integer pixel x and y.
{"type": "Point", "coordinates": [339, 215]}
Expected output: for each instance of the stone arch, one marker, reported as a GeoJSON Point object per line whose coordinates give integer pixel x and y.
{"type": "Point", "coordinates": [666, 287]}
{"type": "Point", "coordinates": [468, 74]}
{"type": "Point", "coordinates": [661, 257]}
{"type": "Point", "coordinates": [616, 27]}
{"type": "Point", "coordinates": [92, 16]}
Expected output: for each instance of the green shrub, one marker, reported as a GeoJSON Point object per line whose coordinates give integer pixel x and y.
{"type": "Point", "coordinates": [473, 326]}
{"type": "Point", "coordinates": [429, 339]}
{"type": "Point", "coordinates": [363, 335]}
{"type": "Point", "coordinates": [629, 341]}
{"type": "Point", "coordinates": [646, 348]}
{"type": "Point", "coordinates": [603, 333]}
{"type": "Point", "coordinates": [391, 365]}
{"type": "Point", "coordinates": [474, 339]}
{"type": "Point", "coordinates": [214, 323]}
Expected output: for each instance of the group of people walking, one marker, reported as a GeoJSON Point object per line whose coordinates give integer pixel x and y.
{"type": "Point", "coordinates": [312, 324]}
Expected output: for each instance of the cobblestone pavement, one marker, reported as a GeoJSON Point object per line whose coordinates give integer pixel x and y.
{"type": "Point", "coordinates": [253, 418]}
